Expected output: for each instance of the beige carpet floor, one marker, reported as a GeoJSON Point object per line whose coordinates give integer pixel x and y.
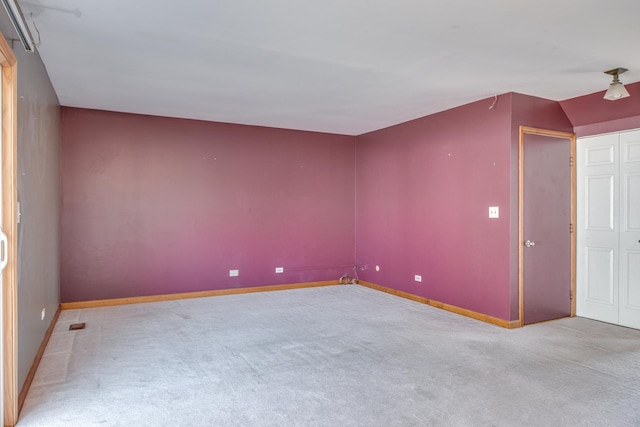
{"type": "Point", "coordinates": [333, 356]}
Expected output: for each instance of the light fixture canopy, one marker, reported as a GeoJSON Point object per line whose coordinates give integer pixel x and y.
{"type": "Point", "coordinates": [616, 88]}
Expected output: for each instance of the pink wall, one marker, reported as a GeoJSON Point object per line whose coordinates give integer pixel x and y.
{"type": "Point", "coordinates": [422, 197]}
{"type": "Point", "coordinates": [592, 115]}
{"type": "Point", "coordinates": [155, 205]}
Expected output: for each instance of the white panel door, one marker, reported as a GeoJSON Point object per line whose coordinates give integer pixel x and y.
{"type": "Point", "coordinates": [630, 229]}
{"type": "Point", "coordinates": [597, 228]}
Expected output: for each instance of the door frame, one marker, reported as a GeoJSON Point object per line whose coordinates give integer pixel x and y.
{"type": "Point", "coordinates": [9, 101]}
{"type": "Point", "coordinates": [526, 130]}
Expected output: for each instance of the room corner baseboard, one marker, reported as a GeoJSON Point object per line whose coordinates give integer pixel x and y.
{"type": "Point", "coordinates": [509, 324]}
{"type": "Point", "coordinates": [188, 295]}
{"type": "Point", "coordinates": [36, 361]}
{"type": "Point", "coordinates": [512, 324]}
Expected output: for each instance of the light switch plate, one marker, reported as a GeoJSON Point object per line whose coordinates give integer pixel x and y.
{"type": "Point", "coordinates": [494, 212]}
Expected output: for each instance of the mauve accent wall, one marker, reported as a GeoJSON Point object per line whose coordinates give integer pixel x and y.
{"type": "Point", "coordinates": [422, 198]}
{"type": "Point", "coordinates": [593, 115]}
{"type": "Point", "coordinates": [154, 205]}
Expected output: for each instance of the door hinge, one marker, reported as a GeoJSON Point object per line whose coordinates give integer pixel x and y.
{"type": "Point", "coordinates": [571, 161]}
{"type": "Point", "coordinates": [571, 295]}
{"type": "Point", "coordinates": [570, 228]}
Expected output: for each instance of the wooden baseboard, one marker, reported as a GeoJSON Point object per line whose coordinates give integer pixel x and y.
{"type": "Point", "coordinates": [187, 295]}
{"type": "Point", "coordinates": [36, 361]}
{"type": "Point", "coordinates": [510, 324]}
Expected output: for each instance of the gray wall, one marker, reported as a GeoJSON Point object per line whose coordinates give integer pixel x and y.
{"type": "Point", "coordinates": [39, 196]}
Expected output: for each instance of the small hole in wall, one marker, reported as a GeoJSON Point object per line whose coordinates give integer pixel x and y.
{"type": "Point", "coordinates": [76, 326]}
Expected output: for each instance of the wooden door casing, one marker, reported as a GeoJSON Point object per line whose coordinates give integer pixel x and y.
{"type": "Point", "coordinates": [550, 175]}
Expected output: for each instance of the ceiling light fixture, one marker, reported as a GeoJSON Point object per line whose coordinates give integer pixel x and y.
{"type": "Point", "coordinates": [15, 14]}
{"type": "Point", "coordinates": [616, 88]}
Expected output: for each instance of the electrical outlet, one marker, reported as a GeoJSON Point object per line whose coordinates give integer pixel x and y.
{"type": "Point", "coordinates": [494, 212]}
{"type": "Point", "coordinates": [279, 270]}
{"type": "Point", "coordinates": [377, 268]}
{"type": "Point", "coordinates": [43, 314]}
{"type": "Point", "coordinates": [418, 278]}
{"type": "Point", "coordinates": [234, 273]}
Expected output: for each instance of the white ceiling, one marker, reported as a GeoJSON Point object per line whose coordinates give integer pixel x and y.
{"type": "Point", "coordinates": [340, 66]}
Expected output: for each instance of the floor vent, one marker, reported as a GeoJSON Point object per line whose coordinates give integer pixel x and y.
{"type": "Point", "coordinates": [76, 326]}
